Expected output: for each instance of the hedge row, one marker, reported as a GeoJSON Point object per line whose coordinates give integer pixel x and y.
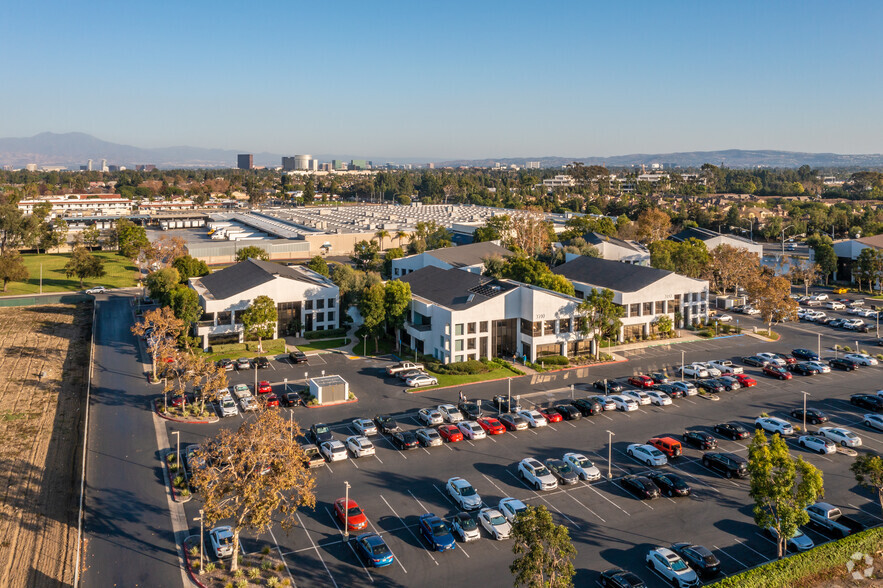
{"type": "Point", "coordinates": [831, 556]}
{"type": "Point", "coordinates": [469, 367]}
{"type": "Point", "coordinates": [553, 360]}
{"type": "Point", "coordinates": [329, 334]}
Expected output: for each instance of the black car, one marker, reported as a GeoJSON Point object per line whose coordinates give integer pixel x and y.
{"type": "Point", "coordinates": [837, 323]}
{"type": "Point", "coordinates": [863, 328]}
{"type": "Point", "coordinates": [261, 363]}
{"type": "Point", "coordinates": [878, 342]}
{"type": "Point", "coordinates": [586, 406]}
{"type": "Point", "coordinates": [568, 412]}
{"type": "Point", "coordinates": [754, 360]}
{"type": "Point", "coordinates": [513, 422]}
{"type": "Point", "coordinates": [385, 424]}
{"type": "Point", "coordinates": [841, 363]}
{"type": "Point", "coordinates": [670, 390]}
{"type": "Point", "coordinates": [699, 558]}
{"type": "Point", "coordinates": [803, 368]}
{"type": "Point", "coordinates": [405, 440]}
{"type": "Point", "coordinates": [728, 464]}
{"type": "Point", "coordinates": [608, 386]}
{"type": "Point", "coordinates": [226, 364]}
{"type": "Point", "coordinates": [699, 439]}
{"type": "Point", "coordinates": [290, 399]}
{"type": "Point", "coordinates": [732, 431]}
{"type": "Point", "coordinates": [501, 403]}
{"type": "Point", "coordinates": [617, 578]}
{"type": "Point", "coordinates": [641, 486]}
{"type": "Point", "coordinates": [711, 385]}
{"type": "Point", "coordinates": [813, 415]}
{"type": "Point", "coordinates": [562, 471]}
{"type": "Point", "coordinates": [470, 409]}
{"type": "Point", "coordinates": [670, 484]}
{"type": "Point", "coordinates": [805, 354]}
{"type": "Point", "coordinates": [297, 356]}
{"type": "Point", "coordinates": [659, 377]}
{"type": "Point", "coordinates": [320, 433]}
{"type": "Point", "coordinates": [868, 401]}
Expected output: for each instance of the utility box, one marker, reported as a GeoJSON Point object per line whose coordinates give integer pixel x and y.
{"type": "Point", "coordinates": [329, 389]}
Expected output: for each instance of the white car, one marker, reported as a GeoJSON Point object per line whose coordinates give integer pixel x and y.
{"type": "Point", "coordinates": [463, 494]}
{"type": "Point", "coordinates": [821, 297]}
{"type": "Point", "coordinates": [248, 403]}
{"type": "Point", "coordinates": [817, 443]}
{"type": "Point", "coordinates": [430, 417]}
{"type": "Point", "coordinates": [511, 508]}
{"type": "Point", "coordinates": [495, 523]}
{"type": "Point", "coordinates": [774, 425]}
{"type": "Point", "coordinates": [365, 427]}
{"type": "Point", "coordinates": [725, 318]}
{"type": "Point", "coordinates": [96, 290]}
{"type": "Point", "coordinates": [624, 403]}
{"type": "Point", "coordinates": [221, 539]}
{"type": "Point", "coordinates": [646, 454]}
{"type": "Point", "coordinates": [536, 474]}
{"type": "Point", "coordinates": [672, 568]}
{"type": "Point", "coordinates": [658, 398]}
{"type": "Point", "coordinates": [359, 446]}
{"type": "Point", "coordinates": [834, 305]}
{"type": "Point", "coordinates": [874, 421]}
{"type": "Point", "coordinates": [861, 358]}
{"type": "Point", "coordinates": [688, 388]}
{"type": "Point", "coordinates": [228, 406]}
{"type": "Point", "coordinates": [822, 367]}
{"type": "Point", "coordinates": [533, 418]}
{"type": "Point", "coordinates": [751, 311]}
{"type": "Point", "coordinates": [421, 380]}
{"type": "Point", "coordinates": [772, 358]}
{"type": "Point", "coordinates": [726, 367]}
{"type": "Point", "coordinates": [429, 437]}
{"type": "Point", "coordinates": [582, 466]}
{"type": "Point", "coordinates": [844, 437]}
{"type": "Point", "coordinates": [638, 396]}
{"type": "Point", "coordinates": [241, 391]}
{"type": "Point", "coordinates": [814, 315]}
{"type": "Point", "coordinates": [333, 450]}
{"type": "Point", "coordinates": [693, 371]}
{"type": "Point", "coordinates": [471, 430]}
{"type": "Point", "coordinates": [713, 372]}
{"type": "Point", "coordinates": [450, 413]}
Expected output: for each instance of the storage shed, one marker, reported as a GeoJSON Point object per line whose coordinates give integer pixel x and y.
{"type": "Point", "coordinates": [329, 389]}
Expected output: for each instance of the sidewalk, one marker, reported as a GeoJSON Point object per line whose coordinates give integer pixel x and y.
{"type": "Point", "coordinates": [655, 343]}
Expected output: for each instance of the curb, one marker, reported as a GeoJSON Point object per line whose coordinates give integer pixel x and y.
{"type": "Point", "coordinates": [177, 420]}
{"type": "Point", "coordinates": [356, 399]}
{"type": "Point", "coordinates": [190, 572]}
{"type": "Point", "coordinates": [175, 493]}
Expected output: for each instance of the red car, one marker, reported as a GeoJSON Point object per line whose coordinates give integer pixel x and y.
{"type": "Point", "coordinates": [264, 387]}
{"type": "Point", "coordinates": [352, 516]}
{"type": "Point", "coordinates": [777, 371]}
{"type": "Point", "coordinates": [177, 400]}
{"type": "Point", "coordinates": [491, 426]}
{"type": "Point", "coordinates": [450, 433]}
{"type": "Point", "coordinates": [641, 381]}
{"type": "Point", "coordinates": [552, 415]}
{"type": "Point", "coordinates": [746, 381]}
{"type": "Point", "coordinates": [271, 400]}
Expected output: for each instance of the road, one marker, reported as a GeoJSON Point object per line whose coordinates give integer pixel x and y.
{"type": "Point", "coordinates": [128, 532]}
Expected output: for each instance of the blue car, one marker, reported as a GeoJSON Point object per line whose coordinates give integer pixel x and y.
{"type": "Point", "coordinates": [437, 532]}
{"type": "Point", "coordinates": [373, 550]}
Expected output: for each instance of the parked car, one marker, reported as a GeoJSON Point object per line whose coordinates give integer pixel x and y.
{"type": "Point", "coordinates": [290, 399]}
{"type": "Point", "coordinates": [799, 541]}
{"type": "Point", "coordinates": [465, 527]}
{"type": "Point", "coordinates": [830, 518]}
{"type": "Point", "coordinates": [699, 558]}
{"type": "Point", "coordinates": [731, 430]}
{"type": "Point", "coordinates": [297, 357]}
{"type": "Point", "coordinates": [861, 358]}
{"type": "Point", "coordinates": [491, 425]}
{"type": "Point", "coordinates": [533, 418]}
{"type": "Point", "coordinates": [640, 486]}
{"type": "Point", "coordinates": [803, 368]}
{"type": "Point", "coordinates": [841, 363]}
{"type": "Point", "coordinates": [873, 421]}
{"type": "Point", "coordinates": [699, 439]}
{"type": "Point", "coordinates": [617, 578]}
{"type": "Point", "coordinates": [535, 474]}
{"type": "Point", "coordinates": [513, 422]}
{"type": "Point", "coordinates": [688, 388]}
{"type": "Point", "coordinates": [470, 409]}
{"type": "Point", "coordinates": [373, 551]}
{"type": "Point", "coordinates": [773, 425]}
{"type": "Point", "coordinates": [726, 367]}
{"type": "Point", "coordinates": [495, 523]}
{"type": "Point", "coordinates": [271, 400]}
{"type": "Point", "coordinates": [569, 412]}
{"type": "Point", "coordinates": [587, 406]}
{"type": "Point", "coordinates": [450, 413]}
{"type": "Point", "coordinates": [365, 427]}
{"type": "Point", "coordinates": [248, 403]}
{"type": "Point", "coordinates": [646, 454]}
{"type": "Point", "coordinates": [813, 415]}
{"type": "Point", "coordinates": [669, 390]}
{"type": "Point", "coordinates": [712, 385]}
{"type": "Point", "coordinates": [226, 364]}
{"type": "Point", "coordinates": [350, 514]}
{"type": "Point", "coordinates": [817, 443]}
{"type": "Point", "coordinates": [624, 403]}
{"type": "Point", "coordinates": [385, 424]}
{"type": "Point", "coordinates": [773, 358]}
{"type": "Point", "coordinates": [583, 466]}
{"type": "Point", "coordinates": [264, 387]}
{"type": "Point", "coordinates": [693, 371]}
{"type": "Point", "coordinates": [228, 406]}
{"type": "Point", "coordinates": [728, 464]}
{"type": "Point", "coordinates": [551, 414]}
{"type": "Point", "coordinates": [463, 494]}
{"type": "Point", "coordinates": [844, 437]}
{"type": "Point", "coordinates": [670, 484]}
{"type": "Point", "coordinates": [746, 381]}
{"type": "Point", "coordinates": [421, 380]}
{"type": "Point", "coordinates": [436, 532]}
{"type": "Point", "coordinates": [867, 401]}
{"type": "Point", "coordinates": [450, 433]}
{"type": "Point", "coordinates": [638, 396]}
{"type": "Point", "coordinates": [805, 354]}
{"type": "Point", "coordinates": [360, 446]}
{"type": "Point", "coordinates": [608, 386]}
{"type": "Point", "coordinates": [776, 371]}
{"type": "Point", "coordinates": [320, 433]}
{"type": "Point", "coordinates": [313, 456]}
{"type": "Point", "coordinates": [428, 437]}
{"type": "Point", "coordinates": [658, 398]}
{"type": "Point", "coordinates": [243, 363]}
{"type": "Point", "coordinates": [471, 430]}
{"type": "Point", "coordinates": [730, 383]}
{"type": "Point", "coordinates": [562, 471]}
{"type": "Point", "coordinates": [641, 381]}
{"type": "Point", "coordinates": [667, 445]}
{"type": "Point", "coordinates": [603, 401]}
{"type": "Point", "coordinates": [511, 508]}
{"type": "Point", "coordinates": [501, 403]}
{"type": "Point", "coordinates": [755, 360]}
{"type": "Point", "coordinates": [241, 391]}
{"type": "Point", "coordinates": [333, 450]}
{"type": "Point", "coordinates": [405, 440]}
{"type": "Point", "coordinates": [221, 539]}
{"type": "Point", "coordinates": [429, 416]}
{"type": "Point", "coordinates": [659, 377]}
{"type": "Point", "coordinates": [262, 363]}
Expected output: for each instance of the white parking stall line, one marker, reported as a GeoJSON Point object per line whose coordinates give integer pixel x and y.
{"type": "Point", "coordinates": [722, 552]}
{"type": "Point", "coordinates": [494, 484]}
{"type": "Point", "coordinates": [571, 424]}
{"type": "Point", "coordinates": [316, 548]}
{"type": "Point", "coordinates": [644, 502]}
{"type": "Point", "coordinates": [446, 497]}
{"type": "Point", "coordinates": [329, 467]}
{"type": "Point", "coordinates": [416, 538]}
{"type": "Point", "coordinates": [543, 498]}
{"type": "Point", "coordinates": [334, 520]}
{"type": "Point", "coordinates": [470, 442]}
{"type": "Point", "coordinates": [718, 475]}
{"type": "Point", "coordinates": [586, 507]}
{"type": "Point", "coordinates": [418, 501]}
{"type": "Point", "coordinates": [603, 458]}
{"type": "Point", "coordinates": [398, 561]}
{"type": "Point", "coordinates": [765, 538]}
{"type": "Point", "coordinates": [352, 461]}
{"type": "Point", "coordinates": [391, 444]}
{"type": "Point", "coordinates": [745, 543]}
{"type": "Point", "coordinates": [553, 428]}
{"type": "Point", "coordinates": [377, 458]}
{"type": "Point", "coordinates": [864, 512]}
{"type": "Point", "coordinates": [685, 399]}
{"type": "Point", "coordinates": [287, 570]}
{"type": "Point", "coordinates": [605, 416]}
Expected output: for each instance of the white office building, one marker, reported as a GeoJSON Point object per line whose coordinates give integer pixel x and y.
{"type": "Point", "coordinates": [469, 258]}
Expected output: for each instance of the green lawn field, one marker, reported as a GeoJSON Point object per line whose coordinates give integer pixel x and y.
{"type": "Point", "coordinates": [121, 273]}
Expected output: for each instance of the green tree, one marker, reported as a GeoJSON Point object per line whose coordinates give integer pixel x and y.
{"type": "Point", "coordinates": [544, 551]}
{"type": "Point", "coordinates": [372, 307]}
{"type": "Point", "coordinates": [381, 235]}
{"type": "Point", "coordinates": [252, 252]}
{"type": "Point", "coordinates": [309, 190]}
{"type": "Point", "coordinates": [184, 302]}
{"type": "Point", "coordinates": [91, 236]}
{"type": "Point", "coordinates": [391, 254]}
{"type": "Point", "coordinates": [83, 264]}
{"type": "Point", "coordinates": [826, 259]}
{"type": "Point", "coordinates": [868, 471]}
{"type": "Point", "coordinates": [12, 268]}
{"type": "Point", "coordinates": [664, 324]}
{"type": "Point", "coordinates": [600, 316]}
{"type": "Point", "coordinates": [161, 283]}
{"type": "Point", "coordinates": [781, 487]}
{"type": "Point", "coordinates": [866, 267]}
{"type": "Point", "coordinates": [396, 299]}
{"type": "Point", "coordinates": [319, 265]}
{"type": "Point", "coordinates": [189, 267]}
{"type": "Point", "coordinates": [365, 253]}
{"type": "Point", "coordinates": [494, 229]}
{"type": "Point", "coordinates": [771, 295]}
{"type": "Point", "coordinates": [259, 319]}
{"type": "Point", "coordinates": [131, 238]}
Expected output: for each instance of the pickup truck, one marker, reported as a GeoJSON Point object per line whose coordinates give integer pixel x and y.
{"type": "Point", "coordinates": [726, 367]}
{"type": "Point", "coordinates": [830, 518]}
{"type": "Point", "coordinates": [402, 367]}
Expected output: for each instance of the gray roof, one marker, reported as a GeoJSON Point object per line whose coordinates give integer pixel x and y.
{"type": "Point", "coordinates": [465, 255]}
{"type": "Point", "coordinates": [704, 235]}
{"type": "Point", "coordinates": [593, 238]}
{"type": "Point", "coordinates": [615, 275]}
{"type": "Point", "coordinates": [453, 288]}
{"type": "Point", "coordinates": [251, 273]}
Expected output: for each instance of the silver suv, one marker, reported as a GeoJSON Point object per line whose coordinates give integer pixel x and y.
{"type": "Point", "coordinates": [536, 474]}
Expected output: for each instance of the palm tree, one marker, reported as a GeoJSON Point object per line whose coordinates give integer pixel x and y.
{"type": "Point", "coordinates": [401, 235]}
{"type": "Point", "coordinates": [381, 235]}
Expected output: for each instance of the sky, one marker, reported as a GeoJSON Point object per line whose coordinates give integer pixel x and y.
{"type": "Point", "coordinates": [452, 80]}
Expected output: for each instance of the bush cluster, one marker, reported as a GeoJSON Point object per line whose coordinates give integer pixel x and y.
{"type": "Point", "coordinates": [327, 334]}
{"type": "Point", "coordinates": [469, 367]}
{"type": "Point", "coordinates": [553, 360]}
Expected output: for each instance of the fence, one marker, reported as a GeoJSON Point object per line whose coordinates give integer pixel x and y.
{"type": "Point", "coordinates": [60, 298]}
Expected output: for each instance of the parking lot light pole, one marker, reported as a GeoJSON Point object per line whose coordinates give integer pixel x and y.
{"type": "Point", "coordinates": [346, 511]}
{"type": "Point", "coordinates": [820, 346]}
{"type": "Point", "coordinates": [805, 394]}
{"type": "Point", "coordinates": [571, 391]}
{"type": "Point", "coordinates": [682, 365]}
{"type": "Point", "coordinates": [509, 403]}
{"type": "Point", "coordinates": [610, 454]}
{"type": "Point", "coordinates": [201, 518]}
{"type": "Point", "coordinates": [177, 435]}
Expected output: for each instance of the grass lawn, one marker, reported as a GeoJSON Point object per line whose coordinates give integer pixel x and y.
{"type": "Point", "coordinates": [459, 380]}
{"type": "Point", "coordinates": [386, 346]}
{"type": "Point", "coordinates": [319, 345]}
{"type": "Point", "coordinates": [121, 273]}
{"type": "Point", "coordinates": [269, 350]}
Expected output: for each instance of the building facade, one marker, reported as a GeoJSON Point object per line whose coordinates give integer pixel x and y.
{"type": "Point", "coordinates": [712, 239]}
{"type": "Point", "coordinates": [469, 258]}
{"type": "Point", "coordinates": [245, 161]}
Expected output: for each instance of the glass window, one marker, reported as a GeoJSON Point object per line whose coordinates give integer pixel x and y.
{"type": "Point", "coordinates": [459, 358]}
{"type": "Point", "coordinates": [308, 305]}
{"type": "Point", "coordinates": [320, 317]}
{"type": "Point", "coordinates": [482, 327]}
{"type": "Point", "coordinates": [458, 345]}
{"type": "Point", "coordinates": [537, 328]}
{"type": "Point", "coordinates": [470, 328]}
{"type": "Point", "coordinates": [330, 317]}
{"type": "Point", "coordinates": [549, 327]}
{"type": "Point", "coordinates": [660, 307]}
{"type": "Point", "coordinates": [526, 327]}
{"type": "Point", "coordinates": [331, 303]}
{"type": "Point", "coordinates": [458, 329]}
{"type": "Point", "coordinates": [470, 343]}
{"type": "Point", "coordinates": [564, 325]}
{"type": "Point", "coordinates": [441, 340]}
{"type": "Point", "coordinates": [320, 303]}
{"type": "Point", "coordinates": [648, 308]}
{"type": "Point", "coordinates": [634, 310]}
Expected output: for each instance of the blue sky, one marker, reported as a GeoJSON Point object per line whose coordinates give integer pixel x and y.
{"type": "Point", "coordinates": [448, 80]}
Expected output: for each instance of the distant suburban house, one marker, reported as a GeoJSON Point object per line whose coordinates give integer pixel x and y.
{"type": "Point", "coordinates": [712, 239]}
{"type": "Point", "coordinates": [300, 295]}
{"type": "Point", "coordinates": [464, 257]}
{"type": "Point", "coordinates": [646, 293]}
{"type": "Point", "coordinates": [614, 249]}
{"type": "Point", "coordinates": [456, 315]}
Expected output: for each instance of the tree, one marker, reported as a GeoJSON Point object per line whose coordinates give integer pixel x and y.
{"type": "Point", "coordinates": [664, 324]}
{"type": "Point", "coordinates": [259, 319]}
{"type": "Point", "coordinates": [771, 296]}
{"type": "Point", "coordinates": [252, 252]}
{"type": "Point", "coordinates": [164, 329]}
{"type": "Point", "coordinates": [365, 253]}
{"type": "Point", "coordinates": [396, 299]}
{"type": "Point", "coordinates": [161, 283]}
{"type": "Point", "coordinates": [388, 257]}
{"type": "Point", "coordinates": [184, 302]}
{"type": "Point", "coordinates": [528, 233]}
{"type": "Point", "coordinates": [544, 551]}
{"type": "Point", "coordinates": [652, 225]}
{"type": "Point", "coordinates": [319, 265]}
{"type": "Point", "coordinates": [12, 268]}
{"type": "Point", "coordinates": [372, 307]}
{"type": "Point", "coordinates": [309, 190]}
{"type": "Point", "coordinates": [83, 264]}
{"type": "Point", "coordinates": [731, 267]}
{"type": "Point", "coordinates": [15, 228]}
{"type": "Point", "coordinates": [381, 235]}
{"type": "Point", "coordinates": [399, 236]}
{"type": "Point", "coordinates": [781, 487]}
{"type": "Point", "coordinates": [91, 236]}
{"type": "Point", "coordinates": [494, 229]}
{"type": "Point", "coordinates": [868, 470]}
{"type": "Point", "coordinates": [826, 259]}
{"type": "Point", "coordinates": [189, 267]}
{"type": "Point", "coordinates": [165, 250]}
{"type": "Point", "coordinates": [131, 238]}
{"type": "Point", "coordinates": [600, 316]}
{"type": "Point", "coordinates": [255, 476]}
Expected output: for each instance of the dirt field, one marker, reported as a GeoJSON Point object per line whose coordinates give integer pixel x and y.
{"type": "Point", "coordinates": [44, 352]}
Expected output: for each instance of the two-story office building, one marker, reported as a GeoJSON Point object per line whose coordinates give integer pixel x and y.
{"type": "Point", "coordinates": [456, 315]}
{"type": "Point", "coordinates": [301, 296]}
{"type": "Point", "coordinates": [614, 249]}
{"type": "Point", "coordinates": [646, 293]}
{"type": "Point", "coordinates": [469, 258]}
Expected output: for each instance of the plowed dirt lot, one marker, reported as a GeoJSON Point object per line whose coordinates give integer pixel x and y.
{"type": "Point", "coordinates": [44, 357]}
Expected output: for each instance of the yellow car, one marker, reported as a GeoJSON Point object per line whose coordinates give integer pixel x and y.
{"type": "Point", "coordinates": [841, 290]}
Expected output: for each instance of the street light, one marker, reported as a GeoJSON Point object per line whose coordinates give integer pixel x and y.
{"type": "Point", "coordinates": [346, 511]}
{"type": "Point", "coordinates": [509, 402]}
{"type": "Point", "coordinates": [201, 518]}
{"type": "Point", "coordinates": [177, 435]}
{"type": "Point", "coordinates": [820, 345]}
{"type": "Point", "coordinates": [610, 436]}
{"type": "Point", "coordinates": [805, 394]}
{"type": "Point", "coordinates": [682, 365]}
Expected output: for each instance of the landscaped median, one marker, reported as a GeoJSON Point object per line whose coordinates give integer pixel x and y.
{"type": "Point", "coordinates": [816, 566]}
{"type": "Point", "coordinates": [256, 569]}
{"type": "Point", "coordinates": [184, 414]}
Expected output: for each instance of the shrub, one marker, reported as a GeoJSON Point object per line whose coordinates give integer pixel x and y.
{"type": "Point", "coordinates": [209, 567]}
{"type": "Point", "coordinates": [286, 582]}
{"type": "Point", "coordinates": [272, 581]}
{"type": "Point", "coordinates": [705, 333]}
{"type": "Point", "coordinates": [351, 396]}
{"type": "Point", "coordinates": [553, 360]}
{"type": "Point", "coordinates": [313, 401]}
{"type": "Point", "coordinates": [178, 481]}
{"type": "Point", "coordinates": [327, 334]}
{"type": "Point", "coordinates": [194, 551]}
{"type": "Point", "coordinates": [470, 367]}
{"type": "Point", "coordinates": [184, 492]}
{"type": "Point", "coordinates": [228, 585]}
{"type": "Point", "coordinates": [243, 583]}
{"type": "Point", "coordinates": [280, 567]}
{"type": "Point", "coordinates": [240, 573]}
{"type": "Point", "coordinates": [228, 348]}
{"type": "Point", "coordinates": [847, 349]}
{"type": "Point", "coordinates": [266, 550]}
{"type": "Point", "coordinates": [266, 565]}
{"type": "Point", "coordinates": [254, 573]}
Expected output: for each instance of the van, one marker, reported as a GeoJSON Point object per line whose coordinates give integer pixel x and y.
{"type": "Point", "coordinates": [667, 445]}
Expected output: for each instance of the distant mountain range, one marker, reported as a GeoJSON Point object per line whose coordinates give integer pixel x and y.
{"type": "Point", "coordinates": [75, 149]}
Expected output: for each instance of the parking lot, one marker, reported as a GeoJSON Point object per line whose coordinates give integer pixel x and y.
{"type": "Point", "coordinates": [610, 527]}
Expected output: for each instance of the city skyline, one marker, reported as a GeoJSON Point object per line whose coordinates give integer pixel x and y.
{"type": "Point", "coordinates": [404, 81]}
